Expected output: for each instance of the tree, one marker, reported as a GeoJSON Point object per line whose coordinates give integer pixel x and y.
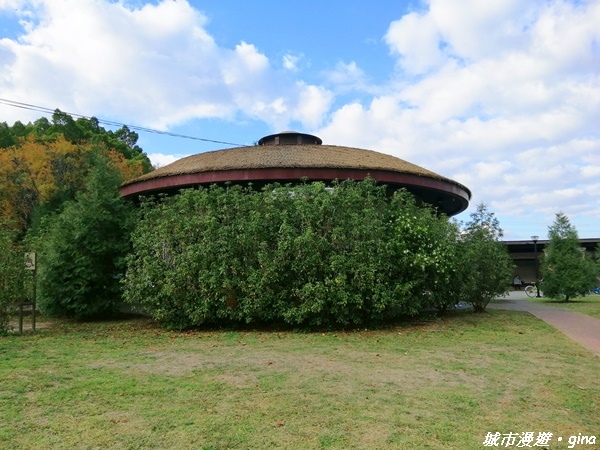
{"type": "Point", "coordinates": [82, 249]}
{"type": "Point", "coordinates": [77, 132]}
{"type": "Point", "coordinates": [484, 265]}
{"type": "Point", "coordinates": [36, 173]}
{"type": "Point", "coordinates": [11, 275]}
{"type": "Point", "coordinates": [38, 176]}
{"type": "Point", "coordinates": [566, 269]}
{"type": "Point", "coordinates": [6, 137]}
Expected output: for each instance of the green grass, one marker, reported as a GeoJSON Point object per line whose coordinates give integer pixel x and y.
{"type": "Point", "coordinates": [589, 305]}
{"type": "Point", "coordinates": [440, 384]}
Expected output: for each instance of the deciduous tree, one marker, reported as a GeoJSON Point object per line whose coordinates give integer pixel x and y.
{"type": "Point", "coordinates": [485, 267]}
{"type": "Point", "coordinates": [37, 177]}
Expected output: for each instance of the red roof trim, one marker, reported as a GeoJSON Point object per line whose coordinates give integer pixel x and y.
{"type": "Point", "coordinates": [148, 187]}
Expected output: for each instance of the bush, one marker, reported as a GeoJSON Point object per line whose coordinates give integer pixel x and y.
{"type": "Point", "coordinates": [302, 255]}
{"type": "Point", "coordinates": [11, 276]}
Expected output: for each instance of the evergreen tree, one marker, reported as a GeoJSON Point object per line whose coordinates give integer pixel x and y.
{"type": "Point", "coordinates": [82, 249]}
{"type": "Point", "coordinates": [566, 269]}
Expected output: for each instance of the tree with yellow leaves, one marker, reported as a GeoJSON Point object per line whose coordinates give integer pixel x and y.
{"type": "Point", "coordinates": [37, 174]}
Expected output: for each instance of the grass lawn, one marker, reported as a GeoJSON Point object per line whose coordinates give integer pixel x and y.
{"type": "Point", "coordinates": [589, 305]}
{"type": "Point", "coordinates": [440, 384]}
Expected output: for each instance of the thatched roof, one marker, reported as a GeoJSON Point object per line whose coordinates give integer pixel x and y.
{"type": "Point", "coordinates": [288, 156]}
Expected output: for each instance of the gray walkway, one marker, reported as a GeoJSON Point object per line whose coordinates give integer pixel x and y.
{"type": "Point", "coordinates": [581, 328]}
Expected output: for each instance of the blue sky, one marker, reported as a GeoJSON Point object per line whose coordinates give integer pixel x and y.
{"type": "Point", "coordinates": [502, 95]}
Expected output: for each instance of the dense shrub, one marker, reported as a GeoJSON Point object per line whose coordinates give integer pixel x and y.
{"type": "Point", "coordinates": [303, 255]}
{"type": "Point", "coordinates": [11, 276]}
{"type": "Point", "coordinates": [445, 279]}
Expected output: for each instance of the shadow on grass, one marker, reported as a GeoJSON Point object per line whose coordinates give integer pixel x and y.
{"type": "Point", "coordinates": [144, 321]}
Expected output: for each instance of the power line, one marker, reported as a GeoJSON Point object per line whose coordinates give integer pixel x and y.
{"type": "Point", "coordinates": [45, 110]}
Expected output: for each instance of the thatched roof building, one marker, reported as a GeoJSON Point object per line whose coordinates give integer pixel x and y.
{"type": "Point", "coordinates": [288, 157]}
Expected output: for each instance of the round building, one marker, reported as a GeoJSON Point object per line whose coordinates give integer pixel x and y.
{"type": "Point", "coordinates": [290, 157]}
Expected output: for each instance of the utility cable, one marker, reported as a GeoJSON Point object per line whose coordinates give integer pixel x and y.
{"type": "Point", "coordinates": [109, 122]}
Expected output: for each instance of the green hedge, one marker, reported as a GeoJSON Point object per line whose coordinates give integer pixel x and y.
{"type": "Point", "coordinates": [300, 255]}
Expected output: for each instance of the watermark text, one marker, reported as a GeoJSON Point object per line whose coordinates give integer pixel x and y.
{"type": "Point", "coordinates": [532, 439]}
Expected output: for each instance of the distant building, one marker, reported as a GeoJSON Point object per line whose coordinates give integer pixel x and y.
{"type": "Point", "coordinates": [524, 256]}
{"type": "Point", "coordinates": [290, 157]}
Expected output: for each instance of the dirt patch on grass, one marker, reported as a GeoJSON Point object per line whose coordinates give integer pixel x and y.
{"type": "Point", "coordinates": [239, 368]}
{"type": "Point", "coordinates": [238, 379]}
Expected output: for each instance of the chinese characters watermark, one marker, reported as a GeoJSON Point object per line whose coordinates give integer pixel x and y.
{"type": "Point", "coordinates": [531, 439]}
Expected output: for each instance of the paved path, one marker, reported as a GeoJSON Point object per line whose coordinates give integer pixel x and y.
{"type": "Point", "coordinates": [581, 328]}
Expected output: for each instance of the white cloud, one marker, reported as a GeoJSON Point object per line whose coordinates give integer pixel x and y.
{"type": "Point", "coordinates": [250, 59]}
{"type": "Point", "coordinates": [10, 4]}
{"type": "Point", "coordinates": [313, 103]}
{"type": "Point", "coordinates": [290, 62]}
{"type": "Point", "coordinates": [348, 77]}
{"type": "Point", "coordinates": [590, 171]}
{"type": "Point", "coordinates": [155, 65]}
{"type": "Point", "coordinates": [162, 159]}
{"type": "Point", "coordinates": [416, 38]}
{"type": "Point", "coordinates": [471, 29]}
{"type": "Point", "coordinates": [503, 96]}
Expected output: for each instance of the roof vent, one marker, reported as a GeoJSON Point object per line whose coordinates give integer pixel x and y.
{"type": "Point", "coordinates": [290, 138]}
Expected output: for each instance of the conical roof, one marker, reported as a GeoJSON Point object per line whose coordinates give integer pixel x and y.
{"type": "Point", "coordinates": [291, 156]}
